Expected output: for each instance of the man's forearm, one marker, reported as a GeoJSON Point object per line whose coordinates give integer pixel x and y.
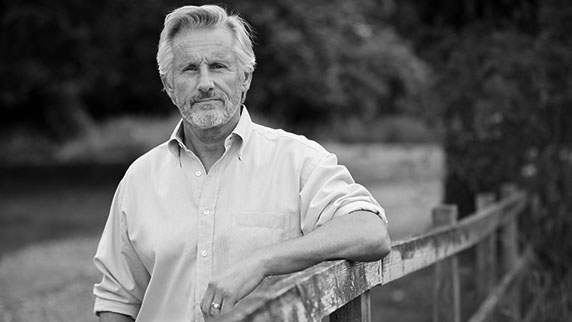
{"type": "Point", "coordinates": [359, 236]}
{"type": "Point", "coordinates": [114, 317]}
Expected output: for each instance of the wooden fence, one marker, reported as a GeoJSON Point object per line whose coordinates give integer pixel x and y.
{"type": "Point", "coordinates": [341, 289]}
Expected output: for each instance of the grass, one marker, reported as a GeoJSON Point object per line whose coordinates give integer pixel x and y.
{"type": "Point", "coordinates": [118, 139]}
{"type": "Point", "coordinates": [48, 282]}
{"type": "Point", "coordinates": [113, 141]}
{"type": "Point", "coordinates": [125, 138]}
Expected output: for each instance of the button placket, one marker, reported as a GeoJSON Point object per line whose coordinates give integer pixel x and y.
{"type": "Point", "coordinates": [205, 230]}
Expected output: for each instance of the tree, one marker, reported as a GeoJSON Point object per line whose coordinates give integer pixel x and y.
{"type": "Point", "coordinates": [72, 62]}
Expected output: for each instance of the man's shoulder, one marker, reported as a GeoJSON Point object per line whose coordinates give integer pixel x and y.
{"type": "Point", "coordinates": [155, 158]}
{"type": "Point", "coordinates": [287, 140]}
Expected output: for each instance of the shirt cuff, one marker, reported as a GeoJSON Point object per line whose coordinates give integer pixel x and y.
{"type": "Point", "coordinates": [363, 206]}
{"type": "Point", "coordinates": [103, 305]}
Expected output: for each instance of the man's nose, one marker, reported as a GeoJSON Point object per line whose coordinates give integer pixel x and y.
{"type": "Point", "coordinates": [205, 82]}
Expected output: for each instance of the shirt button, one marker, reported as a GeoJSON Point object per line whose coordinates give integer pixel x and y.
{"type": "Point", "coordinates": [206, 212]}
{"type": "Point", "coordinates": [198, 173]}
{"type": "Point", "coordinates": [204, 253]}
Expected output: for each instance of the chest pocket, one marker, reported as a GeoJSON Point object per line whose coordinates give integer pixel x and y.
{"type": "Point", "coordinates": [254, 230]}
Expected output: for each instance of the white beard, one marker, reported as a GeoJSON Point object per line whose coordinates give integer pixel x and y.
{"type": "Point", "coordinates": [211, 117]}
{"type": "Point", "coordinates": [206, 119]}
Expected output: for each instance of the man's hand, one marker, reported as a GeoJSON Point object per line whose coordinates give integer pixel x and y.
{"type": "Point", "coordinates": [231, 286]}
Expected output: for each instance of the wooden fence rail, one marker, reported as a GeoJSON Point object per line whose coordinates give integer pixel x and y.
{"type": "Point", "coordinates": [340, 289]}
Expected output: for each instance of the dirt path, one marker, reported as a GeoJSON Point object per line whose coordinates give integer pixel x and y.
{"type": "Point", "coordinates": [407, 205]}
{"type": "Point", "coordinates": [406, 180]}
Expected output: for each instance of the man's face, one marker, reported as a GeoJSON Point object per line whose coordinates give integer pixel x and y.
{"type": "Point", "coordinates": [206, 82]}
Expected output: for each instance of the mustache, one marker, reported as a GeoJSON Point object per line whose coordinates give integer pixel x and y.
{"type": "Point", "coordinates": [202, 96]}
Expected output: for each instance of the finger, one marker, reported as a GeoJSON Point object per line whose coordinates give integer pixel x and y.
{"type": "Point", "coordinates": [207, 300]}
{"type": "Point", "coordinates": [216, 304]}
{"type": "Point", "coordinates": [227, 305]}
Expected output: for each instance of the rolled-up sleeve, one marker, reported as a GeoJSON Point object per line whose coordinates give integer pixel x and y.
{"type": "Point", "coordinates": [125, 279]}
{"type": "Point", "coordinates": [330, 191]}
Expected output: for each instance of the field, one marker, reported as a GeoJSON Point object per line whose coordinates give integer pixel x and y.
{"type": "Point", "coordinates": [50, 221]}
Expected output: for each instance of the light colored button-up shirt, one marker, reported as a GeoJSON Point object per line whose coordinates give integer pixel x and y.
{"type": "Point", "coordinates": [172, 225]}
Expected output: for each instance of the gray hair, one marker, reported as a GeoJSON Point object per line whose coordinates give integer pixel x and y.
{"type": "Point", "coordinates": [207, 16]}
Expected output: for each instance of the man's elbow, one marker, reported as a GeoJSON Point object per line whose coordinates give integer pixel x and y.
{"type": "Point", "coordinates": [379, 246]}
{"type": "Point", "coordinates": [384, 246]}
{"type": "Point", "coordinates": [382, 241]}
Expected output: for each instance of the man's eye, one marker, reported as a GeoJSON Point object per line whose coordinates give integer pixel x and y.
{"type": "Point", "coordinates": [191, 68]}
{"type": "Point", "coordinates": [217, 66]}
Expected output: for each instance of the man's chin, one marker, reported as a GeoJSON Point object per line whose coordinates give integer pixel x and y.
{"type": "Point", "coordinates": [208, 105]}
{"type": "Point", "coordinates": [205, 121]}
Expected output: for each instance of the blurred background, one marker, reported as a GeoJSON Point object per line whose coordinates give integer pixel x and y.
{"type": "Point", "coordinates": [424, 102]}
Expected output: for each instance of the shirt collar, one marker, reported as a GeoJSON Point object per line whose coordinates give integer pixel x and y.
{"type": "Point", "coordinates": [176, 140]}
{"type": "Point", "coordinates": [242, 130]}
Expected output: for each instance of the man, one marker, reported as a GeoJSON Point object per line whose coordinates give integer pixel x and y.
{"type": "Point", "coordinates": [198, 222]}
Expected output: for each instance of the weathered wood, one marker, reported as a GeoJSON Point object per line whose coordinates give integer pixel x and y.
{"type": "Point", "coordinates": [509, 234]}
{"type": "Point", "coordinates": [314, 293]}
{"type": "Point", "coordinates": [488, 307]}
{"type": "Point", "coordinates": [446, 287]}
{"type": "Point", "coordinates": [509, 240]}
{"type": "Point", "coordinates": [357, 310]}
{"type": "Point", "coordinates": [486, 253]}
{"type": "Point", "coordinates": [308, 295]}
{"type": "Point", "coordinates": [411, 255]}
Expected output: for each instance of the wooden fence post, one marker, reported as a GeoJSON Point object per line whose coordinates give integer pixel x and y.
{"type": "Point", "coordinates": [509, 240]}
{"type": "Point", "coordinates": [486, 275]}
{"type": "Point", "coordinates": [356, 310]}
{"type": "Point", "coordinates": [446, 291]}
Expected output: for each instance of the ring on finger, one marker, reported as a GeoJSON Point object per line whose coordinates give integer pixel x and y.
{"type": "Point", "coordinates": [215, 306]}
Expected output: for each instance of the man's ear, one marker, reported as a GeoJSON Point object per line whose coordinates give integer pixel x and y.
{"type": "Point", "coordinates": [168, 88]}
{"type": "Point", "coordinates": [246, 81]}
{"type": "Point", "coordinates": [166, 84]}
{"type": "Point", "coordinates": [245, 86]}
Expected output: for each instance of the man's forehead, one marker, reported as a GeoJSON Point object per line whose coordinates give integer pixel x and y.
{"type": "Point", "coordinates": [218, 41]}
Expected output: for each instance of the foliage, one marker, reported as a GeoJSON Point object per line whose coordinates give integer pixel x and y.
{"type": "Point", "coordinates": [69, 62]}
{"type": "Point", "coordinates": [69, 58]}
{"type": "Point", "coordinates": [506, 105]}
{"type": "Point", "coordinates": [330, 60]}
